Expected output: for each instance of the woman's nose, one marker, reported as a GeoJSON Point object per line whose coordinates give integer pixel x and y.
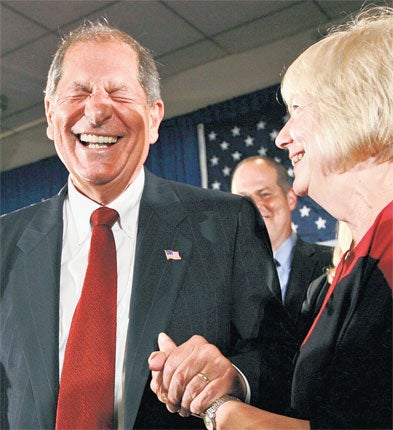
{"type": "Point", "coordinates": [98, 109]}
{"type": "Point", "coordinates": [284, 137]}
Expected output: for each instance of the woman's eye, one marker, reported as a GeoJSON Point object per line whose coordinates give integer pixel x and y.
{"type": "Point", "coordinates": [296, 110]}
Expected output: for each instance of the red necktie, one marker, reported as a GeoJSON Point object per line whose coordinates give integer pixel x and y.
{"type": "Point", "coordinates": [86, 394]}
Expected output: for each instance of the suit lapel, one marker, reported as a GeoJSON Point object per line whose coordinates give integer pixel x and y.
{"type": "Point", "coordinates": [37, 281]}
{"type": "Point", "coordinates": [155, 285]}
{"type": "Point", "coordinates": [302, 267]}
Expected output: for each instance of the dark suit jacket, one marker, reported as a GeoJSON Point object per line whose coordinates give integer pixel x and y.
{"type": "Point", "coordinates": [308, 262]}
{"type": "Point", "coordinates": [223, 288]}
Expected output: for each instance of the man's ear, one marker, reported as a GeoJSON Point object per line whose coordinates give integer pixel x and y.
{"type": "Point", "coordinates": [156, 114]}
{"type": "Point", "coordinates": [49, 115]}
{"type": "Point", "coordinates": [292, 199]}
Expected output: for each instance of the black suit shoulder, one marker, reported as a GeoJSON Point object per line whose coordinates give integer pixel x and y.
{"type": "Point", "coordinates": [322, 253]}
{"type": "Point", "coordinates": [23, 216]}
{"type": "Point", "coordinates": [202, 204]}
{"type": "Point", "coordinates": [24, 223]}
{"type": "Point", "coordinates": [189, 195]}
{"type": "Point", "coordinates": [309, 261]}
{"type": "Point", "coordinates": [14, 224]}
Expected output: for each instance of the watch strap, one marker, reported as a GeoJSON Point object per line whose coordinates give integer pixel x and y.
{"type": "Point", "coordinates": [210, 412]}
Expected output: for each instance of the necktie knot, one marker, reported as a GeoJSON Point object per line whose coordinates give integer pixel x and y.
{"type": "Point", "coordinates": [104, 215]}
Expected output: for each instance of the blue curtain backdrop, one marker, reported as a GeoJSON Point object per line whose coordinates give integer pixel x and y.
{"type": "Point", "coordinates": [180, 156]}
{"type": "Point", "coordinates": [31, 183]}
{"type": "Point", "coordinates": [175, 155]}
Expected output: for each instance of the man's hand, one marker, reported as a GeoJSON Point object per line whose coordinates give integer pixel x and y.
{"type": "Point", "coordinates": [189, 377]}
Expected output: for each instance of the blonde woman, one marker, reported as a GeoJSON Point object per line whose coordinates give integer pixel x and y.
{"type": "Point", "coordinates": [339, 137]}
{"type": "Point", "coordinates": [339, 94]}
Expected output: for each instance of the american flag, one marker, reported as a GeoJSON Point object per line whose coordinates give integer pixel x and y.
{"type": "Point", "coordinates": [225, 143]}
{"type": "Point", "coordinates": [172, 255]}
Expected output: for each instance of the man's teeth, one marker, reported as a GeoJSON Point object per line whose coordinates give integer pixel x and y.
{"type": "Point", "coordinates": [297, 158]}
{"type": "Point", "coordinates": [96, 142]}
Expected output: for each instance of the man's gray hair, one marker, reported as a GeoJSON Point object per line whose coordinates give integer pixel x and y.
{"type": "Point", "coordinates": [101, 32]}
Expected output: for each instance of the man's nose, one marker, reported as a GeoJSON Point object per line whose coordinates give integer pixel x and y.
{"type": "Point", "coordinates": [98, 109]}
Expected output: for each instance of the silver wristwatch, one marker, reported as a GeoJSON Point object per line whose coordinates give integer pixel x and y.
{"type": "Point", "coordinates": [209, 415]}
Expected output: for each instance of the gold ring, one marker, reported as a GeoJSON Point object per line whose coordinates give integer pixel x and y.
{"type": "Point", "coordinates": [204, 377]}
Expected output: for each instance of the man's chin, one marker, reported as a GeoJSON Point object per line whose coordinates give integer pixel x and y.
{"type": "Point", "coordinates": [93, 182]}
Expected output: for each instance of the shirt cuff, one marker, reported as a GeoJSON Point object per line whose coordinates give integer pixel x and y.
{"type": "Point", "coordinates": [248, 388]}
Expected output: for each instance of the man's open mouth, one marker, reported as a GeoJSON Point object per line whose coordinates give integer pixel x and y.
{"type": "Point", "coordinates": [97, 142]}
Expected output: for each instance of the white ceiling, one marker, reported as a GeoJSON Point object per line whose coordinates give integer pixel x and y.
{"type": "Point", "coordinates": [182, 34]}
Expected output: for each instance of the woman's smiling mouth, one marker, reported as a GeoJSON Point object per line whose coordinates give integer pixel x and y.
{"type": "Point", "coordinates": [296, 158]}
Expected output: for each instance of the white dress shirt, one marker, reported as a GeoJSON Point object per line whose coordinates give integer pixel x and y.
{"type": "Point", "coordinates": [76, 243]}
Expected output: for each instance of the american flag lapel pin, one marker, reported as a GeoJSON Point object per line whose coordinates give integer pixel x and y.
{"type": "Point", "coordinates": [170, 254]}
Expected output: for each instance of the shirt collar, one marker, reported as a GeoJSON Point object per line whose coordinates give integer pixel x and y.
{"type": "Point", "coordinates": [81, 207]}
{"type": "Point", "coordinates": [283, 254]}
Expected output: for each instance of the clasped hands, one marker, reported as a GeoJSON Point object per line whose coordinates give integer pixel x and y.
{"type": "Point", "coordinates": [189, 377]}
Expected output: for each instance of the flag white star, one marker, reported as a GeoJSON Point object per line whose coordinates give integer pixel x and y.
{"type": "Point", "coordinates": [226, 171]}
{"type": "Point", "coordinates": [235, 131]}
{"type": "Point", "coordinates": [273, 134]}
{"type": "Point", "coordinates": [262, 151]}
{"type": "Point", "coordinates": [285, 118]}
{"type": "Point", "coordinates": [216, 185]}
{"type": "Point", "coordinates": [261, 125]}
{"type": "Point", "coordinates": [290, 172]}
{"type": "Point", "coordinates": [249, 141]}
{"type": "Point", "coordinates": [304, 211]}
{"type": "Point", "coordinates": [294, 227]}
{"type": "Point", "coordinates": [321, 223]}
{"type": "Point", "coordinates": [214, 161]}
{"type": "Point", "coordinates": [224, 145]}
{"type": "Point", "coordinates": [236, 156]}
{"type": "Point", "coordinates": [212, 135]}
{"type": "Point", "coordinates": [277, 159]}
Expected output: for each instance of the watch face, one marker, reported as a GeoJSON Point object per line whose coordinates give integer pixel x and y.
{"type": "Point", "coordinates": [208, 422]}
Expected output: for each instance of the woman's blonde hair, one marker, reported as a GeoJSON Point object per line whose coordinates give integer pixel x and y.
{"type": "Point", "coordinates": [349, 77]}
{"type": "Point", "coordinates": [343, 244]}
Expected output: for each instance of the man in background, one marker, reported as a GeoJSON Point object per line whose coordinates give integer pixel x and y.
{"type": "Point", "coordinates": [268, 184]}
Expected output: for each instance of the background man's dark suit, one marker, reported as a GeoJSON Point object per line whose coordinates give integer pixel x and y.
{"type": "Point", "coordinates": [221, 288]}
{"type": "Point", "coordinates": [308, 262]}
